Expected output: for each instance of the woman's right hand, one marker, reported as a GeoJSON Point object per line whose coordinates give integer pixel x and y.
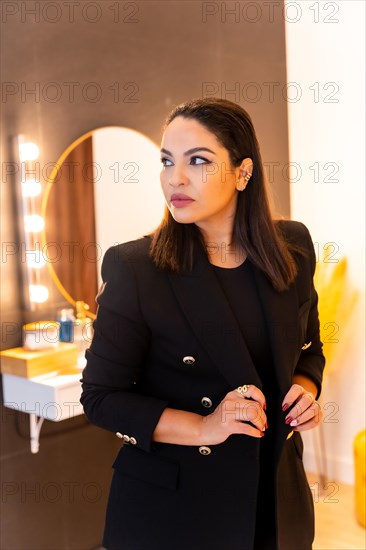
{"type": "Point", "coordinates": [231, 417]}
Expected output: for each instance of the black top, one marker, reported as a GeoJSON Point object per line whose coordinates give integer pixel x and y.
{"type": "Point", "coordinates": [239, 287]}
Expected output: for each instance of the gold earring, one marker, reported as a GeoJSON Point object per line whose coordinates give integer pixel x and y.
{"type": "Point", "coordinates": [240, 187]}
{"type": "Point", "coordinates": [246, 179]}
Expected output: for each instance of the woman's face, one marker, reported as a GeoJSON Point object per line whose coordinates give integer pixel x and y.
{"type": "Point", "coordinates": [198, 181]}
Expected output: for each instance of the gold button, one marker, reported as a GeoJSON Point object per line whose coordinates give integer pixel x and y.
{"type": "Point", "coordinates": [188, 360]}
{"type": "Point", "coordinates": [118, 434]}
{"type": "Point", "coordinates": [133, 441]}
{"type": "Point", "coordinates": [290, 435]}
{"type": "Point", "coordinates": [206, 402]}
{"type": "Point", "coordinates": [126, 438]}
{"type": "Point", "coordinates": [204, 450]}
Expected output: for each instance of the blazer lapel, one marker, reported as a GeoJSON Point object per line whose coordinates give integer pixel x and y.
{"type": "Point", "coordinates": [281, 314]}
{"type": "Point", "coordinates": [208, 312]}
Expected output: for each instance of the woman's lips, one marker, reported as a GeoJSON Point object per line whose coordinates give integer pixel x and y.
{"type": "Point", "coordinates": [179, 200]}
{"type": "Point", "coordinates": [179, 203]}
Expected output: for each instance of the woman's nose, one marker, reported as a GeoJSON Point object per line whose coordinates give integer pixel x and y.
{"type": "Point", "coordinates": [178, 177]}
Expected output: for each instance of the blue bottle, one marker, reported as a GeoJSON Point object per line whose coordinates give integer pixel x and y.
{"type": "Point", "coordinates": [66, 319]}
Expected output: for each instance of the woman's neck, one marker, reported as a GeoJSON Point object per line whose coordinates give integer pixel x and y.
{"type": "Point", "coordinates": [221, 249]}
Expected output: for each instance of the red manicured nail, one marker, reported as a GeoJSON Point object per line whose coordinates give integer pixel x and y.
{"type": "Point", "coordinates": [289, 420]}
{"type": "Point", "coordinates": [265, 407]}
{"type": "Point", "coordinates": [285, 407]}
{"type": "Point", "coordinates": [266, 426]}
{"type": "Point", "coordinates": [262, 434]}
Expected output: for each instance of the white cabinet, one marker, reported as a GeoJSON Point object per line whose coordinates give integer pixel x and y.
{"type": "Point", "coordinates": [54, 396]}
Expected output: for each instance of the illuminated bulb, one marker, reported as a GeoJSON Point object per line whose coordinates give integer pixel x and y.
{"type": "Point", "coordinates": [31, 188]}
{"type": "Point", "coordinates": [38, 293]}
{"type": "Point", "coordinates": [33, 224]}
{"type": "Point", "coordinates": [28, 151]}
{"type": "Point", "coordinates": [35, 260]}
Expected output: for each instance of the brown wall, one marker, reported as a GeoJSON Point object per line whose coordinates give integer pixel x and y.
{"type": "Point", "coordinates": [157, 53]}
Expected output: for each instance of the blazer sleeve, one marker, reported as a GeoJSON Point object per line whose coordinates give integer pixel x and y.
{"type": "Point", "coordinates": [116, 355]}
{"type": "Point", "coordinates": [311, 361]}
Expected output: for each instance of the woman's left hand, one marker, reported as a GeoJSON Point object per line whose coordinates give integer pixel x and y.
{"type": "Point", "coordinates": [306, 413]}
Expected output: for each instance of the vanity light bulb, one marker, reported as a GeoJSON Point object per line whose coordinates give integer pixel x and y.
{"type": "Point", "coordinates": [28, 151]}
{"type": "Point", "coordinates": [38, 293]}
{"type": "Point", "coordinates": [35, 259]}
{"type": "Point", "coordinates": [33, 224]}
{"type": "Point", "coordinates": [31, 188]}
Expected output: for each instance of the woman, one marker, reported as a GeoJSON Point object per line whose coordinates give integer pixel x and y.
{"type": "Point", "coordinates": [206, 356]}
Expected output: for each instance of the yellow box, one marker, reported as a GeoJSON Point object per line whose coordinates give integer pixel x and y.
{"type": "Point", "coordinates": [27, 364]}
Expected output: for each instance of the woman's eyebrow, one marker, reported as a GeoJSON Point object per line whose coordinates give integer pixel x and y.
{"type": "Point", "coordinates": [189, 152]}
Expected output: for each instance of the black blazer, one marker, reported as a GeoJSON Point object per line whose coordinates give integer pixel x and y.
{"type": "Point", "coordinates": [149, 326]}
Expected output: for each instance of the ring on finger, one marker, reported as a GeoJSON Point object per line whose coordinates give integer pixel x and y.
{"type": "Point", "coordinates": [242, 389]}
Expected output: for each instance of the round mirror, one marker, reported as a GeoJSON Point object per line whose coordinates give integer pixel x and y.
{"type": "Point", "coordinates": [104, 190]}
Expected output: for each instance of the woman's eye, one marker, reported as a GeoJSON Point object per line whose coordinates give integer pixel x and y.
{"type": "Point", "coordinates": [200, 158]}
{"type": "Point", "coordinates": [194, 160]}
{"type": "Point", "coordinates": [164, 161]}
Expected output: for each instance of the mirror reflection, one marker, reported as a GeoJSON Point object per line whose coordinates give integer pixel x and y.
{"type": "Point", "coordinates": [105, 191]}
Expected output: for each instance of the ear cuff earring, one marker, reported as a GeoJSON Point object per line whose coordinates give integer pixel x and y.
{"type": "Point", "coordinates": [246, 179]}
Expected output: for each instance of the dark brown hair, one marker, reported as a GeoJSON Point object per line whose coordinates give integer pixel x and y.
{"type": "Point", "coordinates": [174, 243]}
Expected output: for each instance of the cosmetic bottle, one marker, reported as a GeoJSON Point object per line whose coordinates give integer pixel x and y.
{"type": "Point", "coordinates": [66, 319]}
